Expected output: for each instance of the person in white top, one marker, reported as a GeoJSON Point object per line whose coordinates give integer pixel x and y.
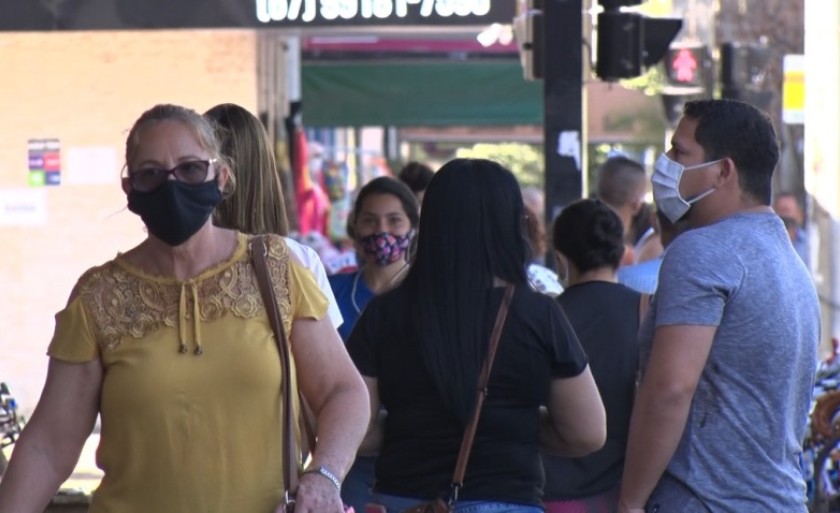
{"type": "Point", "coordinates": [309, 258]}
{"type": "Point", "coordinates": [256, 204]}
{"type": "Point", "coordinates": [541, 278]}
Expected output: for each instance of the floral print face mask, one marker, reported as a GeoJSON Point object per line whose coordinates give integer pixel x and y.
{"type": "Point", "coordinates": [386, 248]}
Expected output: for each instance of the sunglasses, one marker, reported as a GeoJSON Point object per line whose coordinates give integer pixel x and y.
{"type": "Point", "coordinates": [147, 179]}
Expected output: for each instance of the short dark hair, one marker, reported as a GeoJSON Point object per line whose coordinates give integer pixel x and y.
{"type": "Point", "coordinates": [590, 234]}
{"type": "Point", "coordinates": [729, 128]}
{"type": "Point", "coordinates": [388, 185]}
{"type": "Point", "coordinates": [618, 179]}
{"type": "Point", "coordinates": [417, 176]}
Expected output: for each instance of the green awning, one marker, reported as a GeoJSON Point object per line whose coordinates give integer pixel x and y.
{"type": "Point", "coordinates": [419, 94]}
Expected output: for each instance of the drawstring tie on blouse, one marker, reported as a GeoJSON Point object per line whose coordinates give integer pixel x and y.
{"type": "Point", "coordinates": [182, 315]}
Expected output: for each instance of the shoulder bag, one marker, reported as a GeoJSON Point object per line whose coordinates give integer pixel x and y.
{"type": "Point", "coordinates": [291, 452]}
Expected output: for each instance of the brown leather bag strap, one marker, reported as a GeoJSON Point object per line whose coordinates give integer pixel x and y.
{"type": "Point", "coordinates": [259, 253]}
{"type": "Point", "coordinates": [483, 381]}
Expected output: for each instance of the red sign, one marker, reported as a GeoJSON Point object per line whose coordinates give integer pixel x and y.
{"type": "Point", "coordinates": [684, 66]}
{"type": "Point", "coordinates": [52, 161]}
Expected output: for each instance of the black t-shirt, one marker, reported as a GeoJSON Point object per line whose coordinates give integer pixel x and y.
{"type": "Point", "coordinates": [605, 317]}
{"type": "Point", "coordinates": [422, 437]}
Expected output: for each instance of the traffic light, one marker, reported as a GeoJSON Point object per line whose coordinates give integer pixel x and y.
{"type": "Point", "coordinates": [742, 73]}
{"type": "Point", "coordinates": [629, 42]}
{"type": "Point", "coordinates": [688, 68]}
{"type": "Point", "coordinates": [688, 65]}
{"type": "Point", "coordinates": [527, 29]}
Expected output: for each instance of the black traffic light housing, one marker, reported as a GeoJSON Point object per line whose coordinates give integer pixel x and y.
{"type": "Point", "coordinates": [528, 31]}
{"type": "Point", "coordinates": [628, 42]}
{"type": "Point", "coordinates": [742, 72]}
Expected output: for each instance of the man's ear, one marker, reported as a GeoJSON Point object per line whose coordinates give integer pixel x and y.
{"type": "Point", "coordinates": [728, 172]}
{"type": "Point", "coordinates": [126, 184]}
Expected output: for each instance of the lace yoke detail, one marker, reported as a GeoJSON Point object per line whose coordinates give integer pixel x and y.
{"type": "Point", "coordinates": [122, 303]}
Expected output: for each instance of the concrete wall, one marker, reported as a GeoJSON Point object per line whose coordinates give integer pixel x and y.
{"type": "Point", "coordinates": [822, 154]}
{"type": "Point", "coordinates": [86, 89]}
{"type": "Point", "coordinates": [822, 103]}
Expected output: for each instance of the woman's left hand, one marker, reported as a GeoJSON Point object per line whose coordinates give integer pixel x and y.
{"type": "Point", "coordinates": [316, 494]}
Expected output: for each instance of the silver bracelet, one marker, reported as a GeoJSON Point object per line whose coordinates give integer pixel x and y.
{"type": "Point", "coordinates": [323, 471]}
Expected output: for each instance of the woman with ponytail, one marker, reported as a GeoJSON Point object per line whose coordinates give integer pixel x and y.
{"type": "Point", "coordinates": [589, 244]}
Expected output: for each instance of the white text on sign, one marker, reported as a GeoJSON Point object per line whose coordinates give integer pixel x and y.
{"type": "Point", "coordinates": [308, 10]}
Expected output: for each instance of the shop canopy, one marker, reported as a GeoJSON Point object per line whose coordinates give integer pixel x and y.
{"type": "Point", "coordinates": [419, 93]}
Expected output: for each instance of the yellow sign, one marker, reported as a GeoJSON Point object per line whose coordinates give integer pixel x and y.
{"type": "Point", "coordinates": [793, 90]}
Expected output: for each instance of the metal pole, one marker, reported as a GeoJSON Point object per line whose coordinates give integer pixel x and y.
{"type": "Point", "coordinates": [564, 129]}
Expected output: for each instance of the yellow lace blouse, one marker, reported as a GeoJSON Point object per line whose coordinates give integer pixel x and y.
{"type": "Point", "coordinates": [191, 388]}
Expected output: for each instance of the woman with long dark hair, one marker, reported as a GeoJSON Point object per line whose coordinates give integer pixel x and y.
{"type": "Point", "coordinates": [420, 348]}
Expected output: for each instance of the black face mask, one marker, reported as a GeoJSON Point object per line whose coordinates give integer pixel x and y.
{"type": "Point", "coordinates": [175, 211]}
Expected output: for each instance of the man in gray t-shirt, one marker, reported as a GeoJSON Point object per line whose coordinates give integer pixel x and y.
{"type": "Point", "coordinates": [729, 348]}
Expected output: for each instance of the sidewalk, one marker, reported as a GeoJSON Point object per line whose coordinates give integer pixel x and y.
{"type": "Point", "coordinates": [86, 476]}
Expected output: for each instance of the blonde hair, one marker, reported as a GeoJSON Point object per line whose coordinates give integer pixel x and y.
{"type": "Point", "coordinates": [257, 206]}
{"type": "Point", "coordinates": [200, 126]}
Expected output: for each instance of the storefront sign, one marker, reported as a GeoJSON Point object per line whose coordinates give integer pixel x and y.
{"type": "Point", "coordinates": [363, 12]}
{"type": "Point", "coordinates": [206, 14]}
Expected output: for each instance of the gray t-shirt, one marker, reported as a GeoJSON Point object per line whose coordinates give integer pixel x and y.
{"type": "Point", "coordinates": [742, 441]}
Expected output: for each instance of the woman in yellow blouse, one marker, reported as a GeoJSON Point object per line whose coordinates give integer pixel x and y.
{"type": "Point", "coordinates": [171, 345]}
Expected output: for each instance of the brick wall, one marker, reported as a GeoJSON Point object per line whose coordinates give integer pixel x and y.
{"type": "Point", "coordinates": [86, 89]}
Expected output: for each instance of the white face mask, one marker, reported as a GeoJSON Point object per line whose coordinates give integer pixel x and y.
{"type": "Point", "coordinates": [666, 178]}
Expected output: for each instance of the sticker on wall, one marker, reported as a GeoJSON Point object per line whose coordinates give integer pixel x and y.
{"type": "Point", "coordinates": [23, 207]}
{"type": "Point", "coordinates": [44, 162]}
{"type": "Point", "coordinates": [91, 165]}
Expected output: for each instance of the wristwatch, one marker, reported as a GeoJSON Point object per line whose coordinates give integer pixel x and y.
{"type": "Point", "coordinates": [324, 471]}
